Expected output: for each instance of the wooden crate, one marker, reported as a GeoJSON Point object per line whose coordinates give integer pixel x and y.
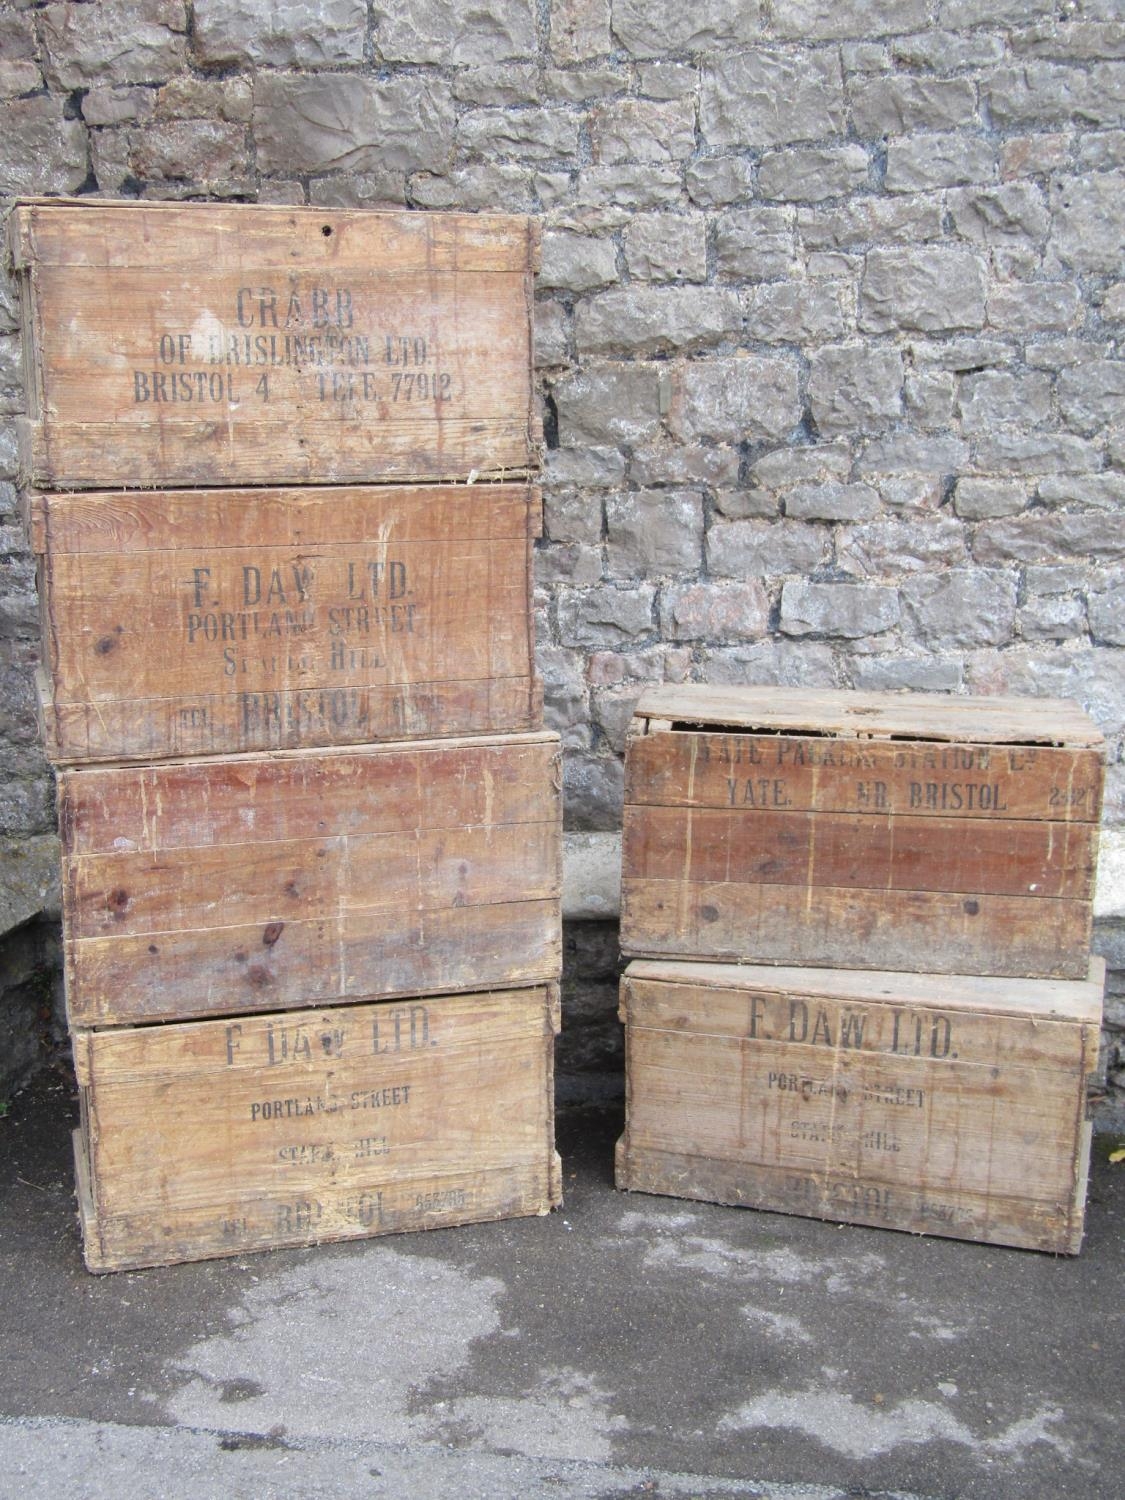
{"type": "Point", "coordinates": [212, 1138]}
{"type": "Point", "coordinates": [942, 1105]}
{"type": "Point", "coordinates": [861, 830]}
{"type": "Point", "coordinates": [197, 622]}
{"type": "Point", "coordinates": [204, 343]}
{"type": "Point", "coordinates": [263, 883]}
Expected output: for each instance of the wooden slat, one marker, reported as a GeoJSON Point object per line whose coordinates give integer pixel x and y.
{"type": "Point", "coordinates": [263, 883]}
{"type": "Point", "coordinates": [863, 1105]}
{"type": "Point", "coordinates": [214, 1138]}
{"type": "Point", "coordinates": [905, 930]}
{"type": "Point", "coordinates": [177, 624]}
{"type": "Point", "coordinates": [241, 344]}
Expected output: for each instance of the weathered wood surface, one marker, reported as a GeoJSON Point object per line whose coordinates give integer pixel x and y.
{"type": "Point", "coordinates": [952, 1106]}
{"type": "Point", "coordinates": [307, 878]}
{"type": "Point", "coordinates": [176, 344]}
{"type": "Point", "coordinates": [216, 621]}
{"type": "Point", "coordinates": [793, 844]}
{"type": "Point", "coordinates": [911, 716]}
{"type": "Point", "coordinates": [219, 1137]}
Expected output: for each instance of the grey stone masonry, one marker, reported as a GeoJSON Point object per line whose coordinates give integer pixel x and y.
{"type": "Point", "coordinates": [828, 327]}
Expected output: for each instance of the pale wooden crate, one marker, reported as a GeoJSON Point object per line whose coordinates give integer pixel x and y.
{"type": "Point", "coordinates": [265, 882]}
{"type": "Point", "coordinates": [201, 622]}
{"type": "Point", "coordinates": [190, 343]}
{"type": "Point", "coordinates": [210, 1138]}
{"type": "Point", "coordinates": [947, 1105]}
{"type": "Point", "coordinates": [861, 830]}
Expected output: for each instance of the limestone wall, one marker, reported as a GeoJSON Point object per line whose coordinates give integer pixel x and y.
{"type": "Point", "coordinates": [828, 325]}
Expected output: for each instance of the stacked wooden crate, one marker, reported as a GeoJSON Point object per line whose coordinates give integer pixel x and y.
{"type": "Point", "coordinates": [278, 473]}
{"type": "Point", "coordinates": [866, 989]}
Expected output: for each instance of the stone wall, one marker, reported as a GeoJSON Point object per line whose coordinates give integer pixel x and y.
{"type": "Point", "coordinates": [828, 322]}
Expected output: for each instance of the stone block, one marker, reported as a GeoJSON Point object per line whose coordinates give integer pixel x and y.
{"type": "Point", "coordinates": [899, 547]}
{"type": "Point", "coordinates": [1088, 221]}
{"type": "Point", "coordinates": [370, 190]}
{"type": "Point", "coordinates": [654, 532]}
{"type": "Point", "coordinates": [929, 397]}
{"type": "Point", "coordinates": [1105, 491]}
{"type": "Point", "coordinates": [667, 80]}
{"type": "Point", "coordinates": [1092, 395]}
{"type": "Point", "coordinates": [573, 515]}
{"type": "Point", "coordinates": [907, 674]}
{"type": "Point", "coordinates": [9, 449]}
{"type": "Point", "coordinates": [609, 404]}
{"type": "Point", "coordinates": [1051, 618]}
{"type": "Point", "coordinates": [1100, 151]}
{"type": "Point", "coordinates": [922, 493]}
{"type": "Point", "coordinates": [761, 98]}
{"type": "Point", "coordinates": [577, 262]}
{"type": "Point", "coordinates": [593, 791]}
{"type": "Point", "coordinates": [911, 453]}
{"type": "Point", "coordinates": [755, 244]}
{"type": "Point", "coordinates": [997, 397]}
{"type": "Point", "coordinates": [444, 32]}
{"type": "Point", "coordinates": [666, 247]}
{"type": "Point", "coordinates": [190, 98]}
{"type": "Point", "coordinates": [633, 187]}
{"type": "Point", "coordinates": [785, 467]}
{"type": "Point", "coordinates": [868, 219]}
{"type": "Point", "coordinates": [41, 151]}
{"type": "Point", "coordinates": [921, 163]}
{"type": "Point", "coordinates": [579, 30]}
{"type": "Point", "coordinates": [899, 103]}
{"type": "Point", "coordinates": [285, 34]}
{"type": "Point", "coordinates": [1011, 452]}
{"type": "Point", "coordinates": [1081, 40]}
{"type": "Point", "coordinates": [1034, 155]}
{"type": "Point", "coordinates": [1107, 616]}
{"type": "Point", "coordinates": [798, 312]}
{"type": "Point", "coordinates": [606, 616]}
{"type": "Point", "coordinates": [483, 187]}
{"type": "Point", "coordinates": [338, 122]}
{"type": "Point", "coordinates": [19, 77]}
{"type": "Point", "coordinates": [810, 174]}
{"type": "Point", "coordinates": [984, 499]}
{"type": "Point", "coordinates": [942, 51]}
{"type": "Point", "coordinates": [718, 181]}
{"type": "Point", "coordinates": [766, 549]}
{"type": "Point", "coordinates": [583, 85]}
{"type": "Point", "coordinates": [12, 398]}
{"type": "Point", "coordinates": [593, 468]}
{"type": "Point", "coordinates": [652, 28]}
{"type": "Point", "coordinates": [613, 712]}
{"type": "Point", "coordinates": [656, 320]}
{"type": "Point", "coordinates": [963, 607]}
{"type": "Point", "coordinates": [506, 85]}
{"type": "Point", "coordinates": [114, 41]}
{"type": "Point", "coordinates": [1051, 536]}
{"type": "Point", "coordinates": [714, 610]}
{"type": "Point", "coordinates": [1035, 307]}
{"type": "Point", "coordinates": [781, 663]}
{"type": "Point", "coordinates": [642, 130]}
{"type": "Point", "coordinates": [670, 463]}
{"type": "Point", "coordinates": [1048, 93]}
{"type": "Point", "coordinates": [993, 216]}
{"type": "Point", "coordinates": [646, 664]}
{"type": "Point", "coordinates": [930, 289]}
{"type": "Point", "coordinates": [744, 398]}
{"type": "Point", "coordinates": [831, 502]}
{"type": "Point", "coordinates": [208, 154]}
{"type": "Point", "coordinates": [832, 20]}
{"type": "Point", "coordinates": [571, 563]}
{"type": "Point", "coordinates": [565, 699]}
{"type": "Point", "coordinates": [744, 502]}
{"type": "Point", "coordinates": [552, 335]}
{"type": "Point", "coordinates": [847, 610]}
{"type": "Point", "coordinates": [854, 388]}
{"type": "Point", "coordinates": [538, 135]}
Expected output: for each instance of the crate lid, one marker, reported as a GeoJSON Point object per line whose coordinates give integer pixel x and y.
{"type": "Point", "coordinates": [855, 715]}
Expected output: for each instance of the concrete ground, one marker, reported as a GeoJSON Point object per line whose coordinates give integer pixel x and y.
{"type": "Point", "coordinates": [626, 1346]}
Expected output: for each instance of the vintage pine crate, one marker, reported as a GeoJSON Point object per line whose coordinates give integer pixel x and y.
{"type": "Point", "coordinates": [210, 1138]}
{"type": "Point", "coordinates": [939, 1104]}
{"type": "Point", "coordinates": [197, 622]}
{"type": "Point", "coordinates": [190, 343]}
{"type": "Point", "coordinates": [771, 825]}
{"type": "Point", "coordinates": [268, 882]}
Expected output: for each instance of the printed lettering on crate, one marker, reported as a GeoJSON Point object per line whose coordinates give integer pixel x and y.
{"type": "Point", "coordinates": [201, 622]}
{"type": "Point", "coordinates": [172, 344]}
{"type": "Point", "coordinates": [939, 1104]}
{"type": "Point", "coordinates": [309, 877]}
{"type": "Point", "coordinates": [217, 1137]}
{"type": "Point", "coordinates": [857, 830]}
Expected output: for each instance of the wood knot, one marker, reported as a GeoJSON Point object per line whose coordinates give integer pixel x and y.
{"type": "Point", "coordinates": [272, 933]}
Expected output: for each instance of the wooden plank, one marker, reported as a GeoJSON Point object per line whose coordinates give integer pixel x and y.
{"type": "Point", "coordinates": [219, 1137]}
{"type": "Point", "coordinates": [854, 850]}
{"type": "Point", "coordinates": [262, 883]}
{"type": "Point", "coordinates": [887, 778]}
{"type": "Point", "coordinates": [863, 1106]}
{"type": "Point", "coordinates": [204, 622]}
{"type": "Point", "coordinates": [833, 926]}
{"type": "Point", "coordinates": [209, 344]}
{"type": "Point", "coordinates": [913, 716]}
